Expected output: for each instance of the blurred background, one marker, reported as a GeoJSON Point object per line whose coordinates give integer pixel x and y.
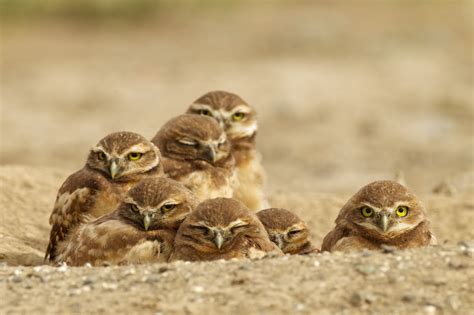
{"type": "Point", "coordinates": [346, 91]}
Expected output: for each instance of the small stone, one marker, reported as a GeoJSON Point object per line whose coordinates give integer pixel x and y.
{"type": "Point", "coordinates": [163, 269]}
{"type": "Point", "coordinates": [429, 309]}
{"type": "Point", "coordinates": [299, 307]}
{"type": "Point", "coordinates": [455, 263]}
{"type": "Point", "coordinates": [152, 279]}
{"type": "Point", "coordinates": [467, 243]}
{"type": "Point", "coordinates": [63, 268]}
{"type": "Point", "coordinates": [17, 278]}
{"type": "Point", "coordinates": [316, 263]}
{"type": "Point", "coordinates": [408, 298]}
{"type": "Point", "coordinates": [88, 281]}
{"type": "Point", "coordinates": [109, 286]}
{"type": "Point", "coordinates": [198, 289]}
{"type": "Point", "coordinates": [88, 265]}
{"type": "Point", "coordinates": [356, 300]}
{"type": "Point", "coordinates": [387, 249]}
{"type": "Point", "coordinates": [365, 269]}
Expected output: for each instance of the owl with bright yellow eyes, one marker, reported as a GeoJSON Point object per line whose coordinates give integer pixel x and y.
{"type": "Point", "coordinates": [239, 120]}
{"type": "Point", "coordinates": [381, 213]}
{"type": "Point", "coordinates": [113, 166]}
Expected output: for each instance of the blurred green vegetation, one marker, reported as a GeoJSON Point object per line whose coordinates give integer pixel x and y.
{"type": "Point", "coordinates": [86, 10]}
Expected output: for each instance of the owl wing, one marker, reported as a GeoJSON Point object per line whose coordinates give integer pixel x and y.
{"type": "Point", "coordinates": [84, 195]}
{"type": "Point", "coordinates": [333, 237]}
{"type": "Point", "coordinates": [260, 247]}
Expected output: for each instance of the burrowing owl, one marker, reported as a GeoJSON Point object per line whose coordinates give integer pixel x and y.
{"type": "Point", "coordinates": [221, 228]}
{"type": "Point", "coordinates": [140, 230]}
{"type": "Point", "coordinates": [196, 152]}
{"type": "Point", "coordinates": [239, 121]}
{"type": "Point", "coordinates": [116, 163]}
{"type": "Point", "coordinates": [287, 231]}
{"type": "Point", "coordinates": [383, 212]}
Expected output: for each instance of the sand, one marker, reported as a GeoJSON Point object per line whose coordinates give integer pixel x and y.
{"type": "Point", "coordinates": [346, 94]}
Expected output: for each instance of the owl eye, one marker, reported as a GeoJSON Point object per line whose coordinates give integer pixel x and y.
{"type": "Point", "coordinates": [367, 211]}
{"type": "Point", "coordinates": [238, 116]}
{"type": "Point", "coordinates": [202, 229]}
{"type": "Point", "coordinates": [101, 155]}
{"type": "Point", "coordinates": [205, 112]}
{"type": "Point", "coordinates": [402, 211]}
{"type": "Point", "coordinates": [236, 228]}
{"type": "Point", "coordinates": [188, 142]}
{"type": "Point", "coordinates": [134, 207]}
{"type": "Point", "coordinates": [167, 207]}
{"type": "Point", "coordinates": [134, 156]}
{"type": "Point", "coordinates": [293, 233]}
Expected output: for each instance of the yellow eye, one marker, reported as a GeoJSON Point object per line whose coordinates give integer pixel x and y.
{"type": "Point", "coordinates": [133, 156]}
{"type": "Point", "coordinates": [367, 211]}
{"type": "Point", "coordinates": [402, 211]}
{"type": "Point", "coordinates": [205, 112]}
{"type": "Point", "coordinates": [238, 116]}
{"type": "Point", "coordinates": [101, 156]}
{"type": "Point", "coordinates": [168, 207]}
{"type": "Point", "coordinates": [134, 207]}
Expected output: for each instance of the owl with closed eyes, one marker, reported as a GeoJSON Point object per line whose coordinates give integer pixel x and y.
{"type": "Point", "coordinates": [221, 228]}
{"type": "Point", "coordinates": [239, 121]}
{"type": "Point", "coordinates": [113, 166]}
{"type": "Point", "coordinates": [381, 213]}
{"type": "Point", "coordinates": [287, 231]}
{"type": "Point", "coordinates": [196, 153]}
{"type": "Point", "coordinates": [140, 230]}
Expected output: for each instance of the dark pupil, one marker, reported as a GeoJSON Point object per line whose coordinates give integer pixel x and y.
{"type": "Point", "coordinates": [205, 112]}
{"type": "Point", "coordinates": [134, 155]}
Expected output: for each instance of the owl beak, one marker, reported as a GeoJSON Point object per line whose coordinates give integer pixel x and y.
{"type": "Point", "coordinates": [384, 220]}
{"type": "Point", "coordinates": [211, 154]}
{"type": "Point", "coordinates": [146, 221]}
{"type": "Point", "coordinates": [218, 239]}
{"type": "Point", "coordinates": [114, 169]}
{"type": "Point", "coordinates": [279, 241]}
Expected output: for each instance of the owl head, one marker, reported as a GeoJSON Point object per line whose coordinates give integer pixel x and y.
{"type": "Point", "coordinates": [157, 203]}
{"type": "Point", "coordinates": [233, 114]}
{"type": "Point", "coordinates": [286, 230]}
{"type": "Point", "coordinates": [122, 154]}
{"type": "Point", "coordinates": [382, 210]}
{"type": "Point", "coordinates": [218, 227]}
{"type": "Point", "coordinates": [193, 137]}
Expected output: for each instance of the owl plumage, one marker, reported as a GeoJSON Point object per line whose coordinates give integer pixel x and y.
{"type": "Point", "coordinates": [116, 163]}
{"type": "Point", "coordinates": [287, 231]}
{"type": "Point", "coordinates": [221, 228]}
{"type": "Point", "coordinates": [381, 213]}
{"type": "Point", "coordinates": [140, 230]}
{"type": "Point", "coordinates": [196, 152]}
{"type": "Point", "coordinates": [239, 120]}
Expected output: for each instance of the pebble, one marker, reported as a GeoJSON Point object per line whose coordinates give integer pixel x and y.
{"type": "Point", "coordinates": [387, 249]}
{"type": "Point", "coordinates": [109, 286]}
{"type": "Point", "coordinates": [429, 309]}
{"type": "Point", "coordinates": [198, 289]}
{"type": "Point", "coordinates": [63, 268]}
{"type": "Point", "coordinates": [88, 281]}
{"type": "Point", "coordinates": [299, 307]}
{"type": "Point", "coordinates": [17, 278]}
{"type": "Point", "coordinates": [365, 269]}
{"type": "Point", "coordinates": [316, 263]}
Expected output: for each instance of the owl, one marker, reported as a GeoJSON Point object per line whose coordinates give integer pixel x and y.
{"type": "Point", "coordinates": [196, 152]}
{"type": "Point", "coordinates": [381, 213]}
{"type": "Point", "coordinates": [221, 228]}
{"type": "Point", "coordinates": [239, 121]}
{"type": "Point", "coordinates": [140, 230]}
{"type": "Point", "coordinates": [287, 231]}
{"type": "Point", "coordinates": [113, 166]}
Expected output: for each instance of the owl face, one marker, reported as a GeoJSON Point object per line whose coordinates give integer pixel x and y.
{"type": "Point", "coordinates": [220, 225]}
{"type": "Point", "coordinates": [124, 153]}
{"type": "Point", "coordinates": [383, 209]}
{"type": "Point", "coordinates": [285, 229]}
{"type": "Point", "coordinates": [158, 203]}
{"type": "Point", "coordinates": [192, 137]}
{"type": "Point", "coordinates": [233, 114]}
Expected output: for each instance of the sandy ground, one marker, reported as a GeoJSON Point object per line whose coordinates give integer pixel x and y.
{"type": "Point", "coordinates": [346, 94]}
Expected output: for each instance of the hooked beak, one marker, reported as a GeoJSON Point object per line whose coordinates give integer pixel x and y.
{"type": "Point", "coordinates": [218, 239]}
{"type": "Point", "coordinates": [114, 169]}
{"type": "Point", "coordinates": [146, 221]}
{"type": "Point", "coordinates": [211, 153]}
{"type": "Point", "coordinates": [384, 222]}
{"type": "Point", "coordinates": [279, 241]}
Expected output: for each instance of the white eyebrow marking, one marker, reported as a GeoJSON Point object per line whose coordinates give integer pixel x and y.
{"type": "Point", "coordinates": [241, 108]}
{"type": "Point", "coordinates": [140, 148]}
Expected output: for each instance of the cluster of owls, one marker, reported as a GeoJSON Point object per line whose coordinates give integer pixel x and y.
{"type": "Point", "coordinates": [192, 193]}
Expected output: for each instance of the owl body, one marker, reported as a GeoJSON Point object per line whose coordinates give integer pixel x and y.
{"type": "Point", "coordinates": [99, 187]}
{"type": "Point", "coordinates": [287, 231]}
{"type": "Point", "coordinates": [381, 213]}
{"type": "Point", "coordinates": [196, 153]}
{"type": "Point", "coordinates": [140, 230]}
{"type": "Point", "coordinates": [239, 121]}
{"type": "Point", "coordinates": [221, 228]}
